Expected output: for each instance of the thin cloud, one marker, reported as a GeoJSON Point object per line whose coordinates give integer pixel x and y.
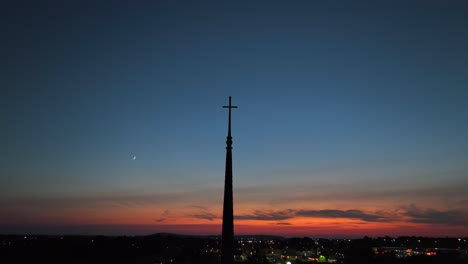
{"type": "Point", "coordinates": [163, 217]}
{"type": "Point", "coordinates": [352, 193]}
{"type": "Point", "coordinates": [205, 215]}
{"type": "Point", "coordinates": [331, 213]}
{"type": "Point", "coordinates": [268, 215]}
{"type": "Point", "coordinates": [352, 214]}
{"type": "Point", "coordinates": [433, 216]}
{"type": "Point", "coordinates": [283, 223]}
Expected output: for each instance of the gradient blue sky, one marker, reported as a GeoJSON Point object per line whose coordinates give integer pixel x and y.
{"type": "Point", "coordinates": [343, 105]}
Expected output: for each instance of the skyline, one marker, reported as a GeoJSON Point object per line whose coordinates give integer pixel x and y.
{"type": "Point", "coordinates": [351, 119]}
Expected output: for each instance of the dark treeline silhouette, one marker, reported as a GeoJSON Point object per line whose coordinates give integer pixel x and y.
{"type": "Point", "coordinates": [169, 248]}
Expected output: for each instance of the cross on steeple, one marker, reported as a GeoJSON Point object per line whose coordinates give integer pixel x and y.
{"type": "Point", "coordinates": [229, 122]}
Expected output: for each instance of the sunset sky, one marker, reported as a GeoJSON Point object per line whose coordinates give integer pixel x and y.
{"type": "Point", "coordinates": [352, 117]}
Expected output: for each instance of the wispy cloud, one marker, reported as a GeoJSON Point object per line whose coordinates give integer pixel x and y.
{"type": "Point", "coordinates": [268, 215]}
{"type": "Point", "coordinates": [205, 215]}
{"type": "Point", "coordinates": [282, 223]}
{"type": "Point", "coordinates": [163, 217]}
{"type": "Point", "coordinates": [350, 192]}
{"type": "Point", "coordinates": [433, 216]}
{"type": "Point", "coordinates": [351, 214]}
{"type": "Point", "coordinates": [330, 213]}
{"type": "Point", "coordinates": [412, 212]}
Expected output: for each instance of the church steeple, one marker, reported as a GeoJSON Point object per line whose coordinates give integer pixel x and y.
{"type": "Point", "coordinates": [227, 250]}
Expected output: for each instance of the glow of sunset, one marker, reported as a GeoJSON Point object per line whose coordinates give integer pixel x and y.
{"type": "Point", "coordinates": [351, 119]}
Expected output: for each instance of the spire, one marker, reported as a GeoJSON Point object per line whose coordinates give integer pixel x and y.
{"type": "Point", "coordinates": [227, 250]}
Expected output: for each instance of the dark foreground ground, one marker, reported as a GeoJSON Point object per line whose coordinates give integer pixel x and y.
{"type": "Point", "coordinates": [168, 248]}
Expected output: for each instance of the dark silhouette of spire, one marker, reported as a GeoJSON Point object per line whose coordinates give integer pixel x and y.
{"type": "Point", "coordinates": [227, 250]}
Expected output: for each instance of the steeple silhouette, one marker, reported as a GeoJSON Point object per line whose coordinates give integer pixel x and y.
{"type": "Point", "coordinates": [227, 249]}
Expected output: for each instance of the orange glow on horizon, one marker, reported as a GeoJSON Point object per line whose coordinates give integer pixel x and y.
{"type": "Point", "coordinates": [145, 219]}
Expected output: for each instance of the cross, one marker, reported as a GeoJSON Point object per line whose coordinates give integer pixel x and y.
{"type": "Point", "coordinates": [230, 107]}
